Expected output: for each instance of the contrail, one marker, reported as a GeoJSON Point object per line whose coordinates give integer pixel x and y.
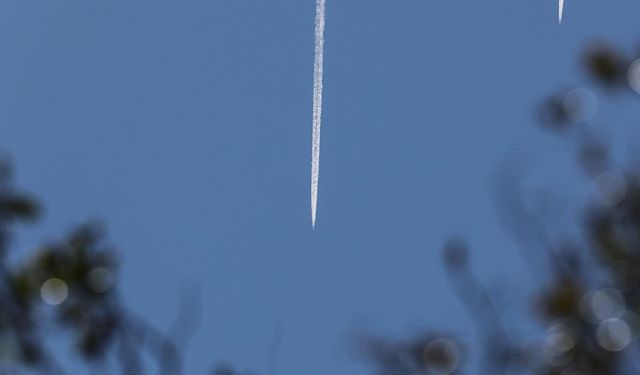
{"type": "Point", "coordinates": [317, 107]}
{"type": "Point", "coordinates": [560, 10]}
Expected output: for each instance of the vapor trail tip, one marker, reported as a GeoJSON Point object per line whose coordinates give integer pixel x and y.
{"type": "Point", "coordinates": [560, 11]}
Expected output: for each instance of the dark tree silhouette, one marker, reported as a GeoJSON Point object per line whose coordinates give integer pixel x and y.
{"type": "Point", "coordinates": [68, 285]}
{"type": "Point", "coordinates": [588, 305]}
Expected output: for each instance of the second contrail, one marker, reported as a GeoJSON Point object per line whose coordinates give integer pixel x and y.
{"type": "Point", "coordinates": [317, 106]}
{"type": "Point", "coordinates": [560, 10]}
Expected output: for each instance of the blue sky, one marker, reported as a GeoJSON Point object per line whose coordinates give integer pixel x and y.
{"type": "Point", "coordinates": [186, 127]}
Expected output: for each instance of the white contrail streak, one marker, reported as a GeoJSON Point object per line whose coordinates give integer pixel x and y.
{"type": "Point", "coordinates": [560, 10]}
{"type": "Point", "coordinates": [317, 107]}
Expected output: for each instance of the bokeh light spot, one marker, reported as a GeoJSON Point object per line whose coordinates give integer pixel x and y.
{"type": "Point", "coordinates": [601, 305]}
{"type": "Point", "coordinates": [100, 280]}
{"type": "Point", "coordinates": [613, 335]}
{"type": "Point", "coordinates": [609, 188]}
{"type": "Point", "coordinates": [633, 76]}
{"type": "Point", "coordinates": [441, 356]}
{"type": "Point", "coordinates": [580, 105]}
{"type": "Point", "coordinates": [556, 348]}
{"type": "Point", "coordinates": [54, 291]}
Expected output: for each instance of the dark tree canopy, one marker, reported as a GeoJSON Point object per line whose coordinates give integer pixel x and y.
{"type": "Point", "coordinates": [68, 285]}
{"type": "Point", "coordinates": [589, 304]}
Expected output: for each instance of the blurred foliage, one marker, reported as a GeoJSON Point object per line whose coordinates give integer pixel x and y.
{"type": "Point", "coordinates": [67, 286]}
{"type": "Point", "coordinates": [588, 301]}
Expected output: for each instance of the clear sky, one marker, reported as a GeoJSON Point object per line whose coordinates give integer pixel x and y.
{"type": "Point", "coordinates": [186, 126]}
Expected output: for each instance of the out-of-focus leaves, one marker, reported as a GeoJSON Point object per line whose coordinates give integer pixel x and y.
{"type": "Point", "coordinates": [589, 304]}
{"type": "Point", "coordinates": [553, 113]}
{"type": "Point", "coordinates": [224, 370]}
{"type": "Point", "coordinates": [23, 287]}
{"type": "Point", "coordinates": [606, 66]}
{"type": "Point", "coordinates": [96, 338]}
{"type": "Point", "coordinates": [561, 300]}
{"type": "Point", "coordinates": [19, 207]}
{"type": "Point", "coordinates": [593, 156]}
{"type": "Point", "coordinates": [440, 356]}
{"type": "Point", "coordinates": [456, 255]}
{"type": "Point", "coordinates": [30, 352]}
{"type": "Point", "coordinates": [568, 108]}
{"type": "Point", "coordinates": [428, 353]}
{"type": "Point", "coordinates": [75, 277]}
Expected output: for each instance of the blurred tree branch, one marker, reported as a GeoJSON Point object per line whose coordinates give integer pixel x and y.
{"type": "Point", "coordinates": [588, 302]}
{"type": "Point", "coordinates": [71, 284]}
